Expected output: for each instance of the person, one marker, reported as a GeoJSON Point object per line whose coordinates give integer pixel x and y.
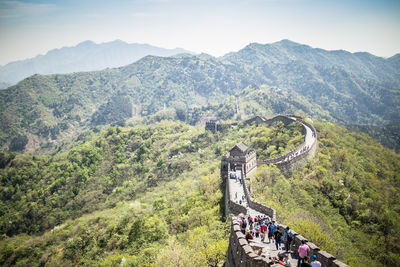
{"type": "Point", "coordinates": [243, 225]}
{"type": "Point", "coordinates": [271, 231]}
{"type": "Point", "coordinates": [314, 262]}
{"type": "Point", "coordinates": [257, 229]}
{"type": "Point", "coordinates": [250, 220]}
{"type": "Point", "coordinates": [263, 231]}
{"type": "Point", "coordinates": [288, 237]}
{"type": "Point", "coordinates": [277, 260]}
{"type": "Point", "coordinates": [286, 260]}
{"type": "Point", "coordinates": [278, 239]}
{"type": "Point", "coordinates": [305, 262]}
{"type": "Point", "coordinates": [249, 236]}
{"type": "Point", "coordinates": [303, 252]}
{"type": "Point", "coordinates": [251, 228]}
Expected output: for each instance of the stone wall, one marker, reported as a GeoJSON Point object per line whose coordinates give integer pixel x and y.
{"type": "Point", "coordinates": [251, 162]}
{"type": "Point", "coordinates": [289, 166]}
{"type": "Point", "coordinates": [326, 259]}
{"type": "Point", "coordinates": [255, 205]}
{"type": "Point", "coordinates": [240, 252]}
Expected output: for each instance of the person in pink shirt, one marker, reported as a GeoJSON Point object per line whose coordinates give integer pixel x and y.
{"type": "Point", "coordinates": [303, 251]}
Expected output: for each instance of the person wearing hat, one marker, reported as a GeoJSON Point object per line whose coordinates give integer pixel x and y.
{"type": "Point", "coordinates": [314, 262]}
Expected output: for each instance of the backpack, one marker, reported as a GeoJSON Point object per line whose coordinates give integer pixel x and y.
{"type": "Point", "coordinates": [278, 236]}
{"type": "Point", "coordinates": [289, 236]}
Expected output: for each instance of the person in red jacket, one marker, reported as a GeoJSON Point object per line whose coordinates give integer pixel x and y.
{"type": "Point", "coordinates": [263, 231]}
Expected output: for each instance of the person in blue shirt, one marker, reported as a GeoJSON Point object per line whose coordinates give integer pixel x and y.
{"type": "Point", "coordinates": [271, 231]}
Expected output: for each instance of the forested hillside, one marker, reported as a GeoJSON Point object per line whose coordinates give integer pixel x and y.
{"type": "Point", "coordinates": [388, 135]}
{"type": "Point", "coordinates": [355, 87]}
{"type": "Point", "coordinates": [151, 195]}
{"type": "Point", "coordinates": [142, 193]}
{"type": "Point", "coordinates": [45, 113]}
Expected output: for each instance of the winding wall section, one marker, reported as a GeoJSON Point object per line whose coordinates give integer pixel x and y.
{"type": "Point", "coordinates": [243, 253]}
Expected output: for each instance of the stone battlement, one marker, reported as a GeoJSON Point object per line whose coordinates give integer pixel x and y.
{"type": "Point", "coordinates": [243, 253]}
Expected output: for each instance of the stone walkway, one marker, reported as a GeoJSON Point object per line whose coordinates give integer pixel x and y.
{"type": "Point", "coordinates": [308, 140]}
{"type": "Point", "coordinates": [268, 249]}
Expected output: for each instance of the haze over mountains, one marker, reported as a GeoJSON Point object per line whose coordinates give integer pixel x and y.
{"type": "Point", "coordinates": [86, 56]}
{"type": "Point", "coordinates": [283, 77]}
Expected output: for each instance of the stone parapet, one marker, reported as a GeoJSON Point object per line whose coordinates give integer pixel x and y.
{"type": "Point", "coordinates": [257, 206]}
{"type": "Point", "coordinates": [241, 253]}
{"type": "Point", "coordinates": [236, 208]}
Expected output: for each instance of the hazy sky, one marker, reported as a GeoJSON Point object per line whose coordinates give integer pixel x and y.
{"type": "Point", "coordinates": [28, 28]}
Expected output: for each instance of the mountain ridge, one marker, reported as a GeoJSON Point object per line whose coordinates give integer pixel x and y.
{"type": "Point", "coordinates": [317, 83]}
{"type": "Point", "coordinates": [317, 55]}
{"type": "Point", "coordinates": [85, 56]}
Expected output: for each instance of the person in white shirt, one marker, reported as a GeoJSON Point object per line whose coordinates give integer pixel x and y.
{"type": "Point", "coordinates": [286, 260]}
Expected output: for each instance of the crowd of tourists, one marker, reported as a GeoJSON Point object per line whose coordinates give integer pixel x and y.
{"type": "Point", "coordinates": [297, 153]}
{"type": "Point", "coordinates": [264, 228]}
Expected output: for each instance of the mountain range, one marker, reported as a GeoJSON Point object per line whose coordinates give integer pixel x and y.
{"type": "Point", "coordinates": [86, 56]}
{"type": "Point", "coordinates": [114, 166]}
{"type": "Point", "coordinates": [46, 111]}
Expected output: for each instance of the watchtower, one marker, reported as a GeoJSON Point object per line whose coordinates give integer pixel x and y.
{"type": "Point", "coordinates": [212, 126]}
{"type": "Point", "coordinates": [239, 156]}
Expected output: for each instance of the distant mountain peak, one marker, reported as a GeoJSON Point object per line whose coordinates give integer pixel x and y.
{"type": "Point", "coordinates": [205, 56]}
{"type": "Point", "coordinates": [287, 41]}
{"type": "Point", "coordinates": [118, 41]}
{"type": "Point", "coordinates": [254, 45]}
{"type": "Point", "coordinates": [397, 56]}
{"type": "Point", "coordinates": [86, 43]}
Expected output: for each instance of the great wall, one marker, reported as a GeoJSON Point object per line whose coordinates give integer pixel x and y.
{"type": "Point", "coordinates": [242, 159]}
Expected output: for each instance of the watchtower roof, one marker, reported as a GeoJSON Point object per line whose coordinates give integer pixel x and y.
{"type": "Point", "coordinates": [241, 146]}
